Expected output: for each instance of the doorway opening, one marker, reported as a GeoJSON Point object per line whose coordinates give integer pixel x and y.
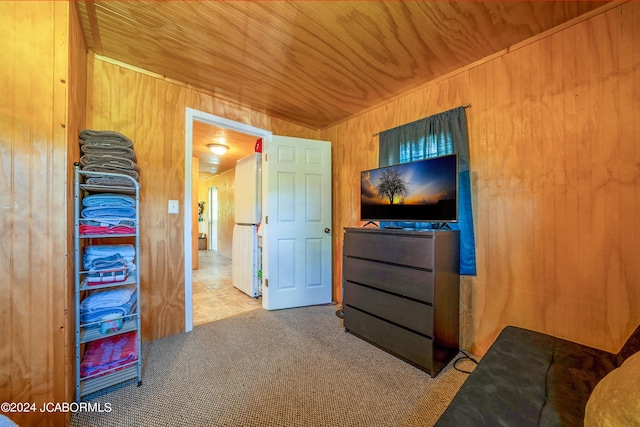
{"type": "Point", "coordinates": [220, 122]}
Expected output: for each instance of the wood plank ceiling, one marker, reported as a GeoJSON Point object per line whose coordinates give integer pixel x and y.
{"type": "Point", "coordinates": [314, 63]}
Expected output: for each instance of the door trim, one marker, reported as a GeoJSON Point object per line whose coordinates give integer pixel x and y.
{"type": "Point", "coordinates": [192, 115]}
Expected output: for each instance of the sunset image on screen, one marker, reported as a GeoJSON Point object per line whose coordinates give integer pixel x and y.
{"type": "Point", "coordinates": [424, 185]}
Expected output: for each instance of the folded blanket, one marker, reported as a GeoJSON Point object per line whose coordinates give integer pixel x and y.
{"type": "Point", "coordinates": [95, 321]}
{"type": "Point", "coordinates": [107, 212]}
{"type": "Point", "coordinates": [112, 181]}
{"type": "Point", "coordinates": [108, 222]}
{"type": "Point", "coordinates": [125, 250]}
{"type": "Point", "coordinates": [105, 136]}
{"type": "Point", "coordinates": [109, 209]}
{"type": "Point", "coordinates": [119, 228]}
{"type": "Point", "coordinates": [105, 277]}
{"type": "Point", "coordinates": [113, 262]}
{"type": "Point", "coordinates": [100, 251]}
{"type": "Point", "coordinates": [122, 310]}
{"type": "Point", "coordinates": [110, 298]}
{"type": "Point", "coordinates": [109, 168]}
{"type": "Point", "coordinates": [108, 161]}
{"type": "Point", "coordinates": [108, 199]}
{"type": "Point", "coordinates": [131, 267]}
{"type": "Point", "coordinates": [109, 354]}
{"type": "Point", "coordinates": [107, 149]}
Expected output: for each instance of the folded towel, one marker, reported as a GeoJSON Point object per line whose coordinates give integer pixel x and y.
{"type": "Point", "coordinates": [98, 228]}
{"type": "Point", "coordinates": [108, 200]}
{"type": "Point", "coordinates": [107, 212]}
{"type": "Point", "coordinates": [107, 149]}
{"type": "Point", "coordinates": [110, 298]}
{"type": "Point", "coordinates": [112, 181]}
{"type": "Point", "coordinates": [108, 161]}
{"type": "Point", "coordinates": [131, 267]}
{"type": "Point", "coordinates": [109, 354]}
{"type": "Point", "coordinates": [110, 168]}
{"type": "Point", "coordinates": [108, 222]}
{"type": "Point", "coordinates": [94, 320]}
{"type": "Point", "coordinates": [123, 310]}
{"type": "Point", "coordinates": [113, 262]}
{"type": "Point", "coordinates": [100, 251]}
{"type": "Point", "coordinates": [106, 277]}
{"type": "Point", "coordinates": [105, 136]}
{"type": "Point", "coordinates": [125, 250]}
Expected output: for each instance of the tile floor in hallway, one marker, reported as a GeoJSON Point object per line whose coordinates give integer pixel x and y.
{"type": "Point", "coordinates": [214, 296]}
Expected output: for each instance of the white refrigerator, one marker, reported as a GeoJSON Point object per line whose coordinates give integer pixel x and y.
{"type": "Point", "coordinates": [245, 253]}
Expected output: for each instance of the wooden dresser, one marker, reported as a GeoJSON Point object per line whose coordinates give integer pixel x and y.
{"type": "Point", "coordinates": [401, 293]}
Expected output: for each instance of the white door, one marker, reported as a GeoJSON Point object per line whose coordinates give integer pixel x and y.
{"type": "Point", "coordinates": [297, 223]}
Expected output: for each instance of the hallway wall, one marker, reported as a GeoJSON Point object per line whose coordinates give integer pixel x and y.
{"type": "Point", "coordinates": [225, 184]}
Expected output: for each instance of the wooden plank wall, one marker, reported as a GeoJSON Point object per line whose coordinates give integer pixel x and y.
{"type": "Point", "coordinates": [76, 118]}
{"type": "Point", "coordinates": [151, 111]}
{"type": "Point", "coordinates": [43, 94]}
{"type": "Point", "coordinates": [225, 183]}
{"type": "Point", "coordinates": [555, 175]}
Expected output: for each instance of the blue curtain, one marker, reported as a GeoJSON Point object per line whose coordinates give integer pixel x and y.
{"type": "Point", "coordinates": [444, 133]}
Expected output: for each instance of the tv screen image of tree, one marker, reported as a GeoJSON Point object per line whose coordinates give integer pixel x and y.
{"type": "Point", "coordinates": [425, 190]}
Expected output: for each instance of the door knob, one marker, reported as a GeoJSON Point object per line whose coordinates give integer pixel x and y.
{"type": "Point", "coordinates": [327, 230]}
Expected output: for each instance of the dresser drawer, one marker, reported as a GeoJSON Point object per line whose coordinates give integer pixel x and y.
{"type": "Point", "coordinates": [408, 250]}
{"type": "Point", "coordinates": [405, 312]}
{"type": "Point", "coordinates": [409, 346]}
{"type": "Point", "coordinates": [409, 282]}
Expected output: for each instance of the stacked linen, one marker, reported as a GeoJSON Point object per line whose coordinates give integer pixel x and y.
{"type": "Point", "coordinates": [114, 213]}
{"type": "Point", "coordinates": [111, 152]}
{"type": "Point", "coordinates": [108, 263]}
{"type": "Point", "coordinates": [119, 301]}
{"type": "Point", "coordinates": [109, 354]}
{"type": "Point", "coordinates": [106, 229]}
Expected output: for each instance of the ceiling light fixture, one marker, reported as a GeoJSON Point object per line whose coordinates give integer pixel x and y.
{"type": "Point", "coordinates": [218, 149]}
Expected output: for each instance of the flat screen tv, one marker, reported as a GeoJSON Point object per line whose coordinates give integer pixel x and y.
{"type": "Point", "coordinates": [425, 190]}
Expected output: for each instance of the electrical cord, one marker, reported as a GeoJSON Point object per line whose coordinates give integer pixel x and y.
{"type": "Point", "coordinates": [465, 357]}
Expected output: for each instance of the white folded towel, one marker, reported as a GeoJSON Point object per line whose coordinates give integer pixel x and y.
{"type": "Point", "coordinates": [108, 298]}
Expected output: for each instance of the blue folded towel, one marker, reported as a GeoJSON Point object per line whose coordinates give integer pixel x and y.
{"type": "Point", "coordinates": [108, 212]}
{"type": "Point", "coordinates": [112, 262]}
{"type": "Point", "coordinates": [126, 250]}
{"type": "Point", "coordinates": [94, 252]}
{"type": "Point", "coordinates": [109, 200]}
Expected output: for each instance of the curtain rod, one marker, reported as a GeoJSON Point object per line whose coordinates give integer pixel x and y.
{"type": "Point", "coordinates": [465, 106]}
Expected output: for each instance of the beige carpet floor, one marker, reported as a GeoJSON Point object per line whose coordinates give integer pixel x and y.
{"type": "Point", "coordinates": [294, 367]}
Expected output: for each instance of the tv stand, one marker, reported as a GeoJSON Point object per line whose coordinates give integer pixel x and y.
{"type": "Point", "coordinates": [401, 293]}
{"type": "Point", "coordinates": [369, 222]}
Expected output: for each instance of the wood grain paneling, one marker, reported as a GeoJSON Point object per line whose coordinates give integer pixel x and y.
{"type": "Point", "coordinates": [151, 111]}
{"type": "Point", "coordinates": [555, 180]}
{"type": "Point", "coordinates": [42, 49]}
{"type": "Point", "coordinates": [313, 63]}
{"type": "Point", "coordinates": [76, 119]}
{"type": "Point", "coordinates": [225, 182]}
